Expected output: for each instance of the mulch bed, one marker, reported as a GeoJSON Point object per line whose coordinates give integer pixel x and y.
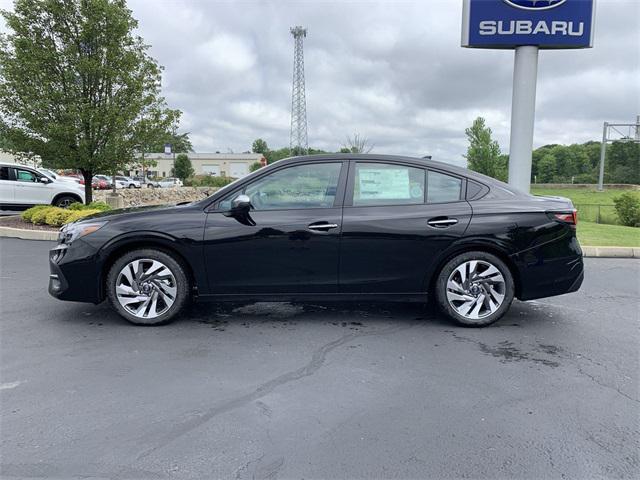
{"type": "Point", "coordinates": [14, 221]}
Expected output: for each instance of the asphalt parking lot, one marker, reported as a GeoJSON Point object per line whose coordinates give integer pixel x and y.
{"type": "Point", "coordinates": [319, 391]}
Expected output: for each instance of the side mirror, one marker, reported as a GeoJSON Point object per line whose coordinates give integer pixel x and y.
{"type": "Point", "coordinates": [44, 180]}
{"type": "Point", "coordinates": [242, 203]}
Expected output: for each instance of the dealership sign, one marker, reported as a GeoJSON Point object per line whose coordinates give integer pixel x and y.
{"type": "Point", "coordinates": [540, 23]}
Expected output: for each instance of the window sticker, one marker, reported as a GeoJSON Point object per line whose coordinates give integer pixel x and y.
{"type": "Point", "coordinates": [388, 183]}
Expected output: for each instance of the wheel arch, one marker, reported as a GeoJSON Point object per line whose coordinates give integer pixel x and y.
{"type": "Point", "coordinates": [166, 244]}
{"type": "Point", "coordinates": [491, 248]}
{"type": "Point", "coordinates": [66, 194]}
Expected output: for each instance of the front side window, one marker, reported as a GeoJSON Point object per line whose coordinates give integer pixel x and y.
{"type": "Point", "coordinates": [442, 188]}
{"type": "Point", "coordinates": [26, 176]}
{"type": "Point", "coordinates": [298, 187]}
{"type": "Point", "coordinates": [388, 184]}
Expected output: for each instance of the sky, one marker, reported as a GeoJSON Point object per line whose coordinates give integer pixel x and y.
{"type": "Point", "coordinates": [393, 72]}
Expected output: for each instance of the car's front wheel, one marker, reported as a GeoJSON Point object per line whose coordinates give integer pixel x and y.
{"type": "Point", "coordinates": [475, 289]}
{"type": "Point", "coordinates": [147, 286]}
{"type": "Point", "coordinates": [64, 201]}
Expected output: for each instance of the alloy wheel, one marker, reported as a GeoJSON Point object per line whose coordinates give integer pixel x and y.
{"type": "Point", "coordinates": [476, 289]}
{"type": "Point", "coordinates": [146, 288]}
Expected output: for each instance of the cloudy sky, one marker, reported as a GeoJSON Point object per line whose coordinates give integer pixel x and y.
{"type": "Point", "coordinates": [391, 71]}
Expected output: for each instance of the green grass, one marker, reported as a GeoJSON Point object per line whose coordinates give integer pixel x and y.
{"type": "Point", "coordinates": [599, 235]}
{"type": "Point", "coordinates": [587, 201]}
{"type": "Point", "coordinates": [584, 195]}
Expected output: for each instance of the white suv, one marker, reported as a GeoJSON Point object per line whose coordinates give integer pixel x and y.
{"type": "Point", "coordinates": [22, 186]}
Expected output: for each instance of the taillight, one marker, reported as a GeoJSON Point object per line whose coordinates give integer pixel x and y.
{"type": "Point", "coordinates": [567, 217]}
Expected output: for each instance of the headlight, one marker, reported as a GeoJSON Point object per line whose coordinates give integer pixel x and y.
{"type": "Point", "coordinates": [73, 231]}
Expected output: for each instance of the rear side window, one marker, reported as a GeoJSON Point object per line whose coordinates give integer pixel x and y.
{"type": "Point", "coordinates": [443, 188]}
{"type": "Point", "coordinates": [387, 184]}
{"type": "Point", "coordinates": [4, 173]}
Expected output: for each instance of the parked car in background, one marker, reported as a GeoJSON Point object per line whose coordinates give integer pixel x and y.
{"type": "Point", "coordinates": [128, 181]}
{"type": "Point", "coordinates": [22, 187]}
{"type": "Point", "coordinates": [165, 183]}
{"type": "Point", "coordinates": [100, 184]}
{"type": "Point", "coordinates": [109, 180]}
{"type": "Point", "coordinates": [333, 227]}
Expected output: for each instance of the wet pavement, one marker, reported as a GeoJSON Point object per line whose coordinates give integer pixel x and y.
{"type": "Point", "coordinates": [280, 390]}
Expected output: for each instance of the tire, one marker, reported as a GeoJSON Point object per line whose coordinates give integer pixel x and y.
{"type": "Point", "coordinates": [64, 201]}
{"type": "Point", "coordinates": [132, 186]}
{"type": "Point", "coordinates": [171, 291]}
{"type": "Point", "coordinates": [475, 303]}
{"type": "Point", "coordinates": [150, 185]}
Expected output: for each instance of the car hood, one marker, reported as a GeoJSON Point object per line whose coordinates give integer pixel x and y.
{"type": "Point", "coordinates": [131, 212]}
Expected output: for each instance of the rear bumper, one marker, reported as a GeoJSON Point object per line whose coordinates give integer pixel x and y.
{"type": "Point", "coordinates": [550, 270]}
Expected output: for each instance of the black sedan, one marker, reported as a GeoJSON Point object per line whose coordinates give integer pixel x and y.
{"type": "Point", "coordinates": [329, 227]}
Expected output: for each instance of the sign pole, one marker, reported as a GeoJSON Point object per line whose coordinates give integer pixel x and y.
{"type": "Point", "coordinates": [603, 153]}
{"type": "Point", "coordinates": [523, 105]}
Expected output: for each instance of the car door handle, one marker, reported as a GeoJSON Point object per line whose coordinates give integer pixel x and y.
{"type": "Point", "coordinates": [322, 227]}
{"type": "Point", "coordinates": [442, 222]}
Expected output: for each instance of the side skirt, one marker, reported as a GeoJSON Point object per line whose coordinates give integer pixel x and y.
{"type": "Point", "coordinates": [316, 297]}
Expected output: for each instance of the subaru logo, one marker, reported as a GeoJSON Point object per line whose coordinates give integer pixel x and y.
{"type": "Point", "coordinates": [535, 4]}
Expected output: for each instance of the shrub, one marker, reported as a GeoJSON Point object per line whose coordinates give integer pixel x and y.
{"type": "Point", "coordinates": [78, 214]}
{"type": "Point", "coordinates": [56, 217]}
{"type": "Point", "coordinates": [628, 209]}
{"type": "Point", "coordinates": [39, 217]}
{"type": "Point", "coordinates": [101, 206]}
{"type": "Point", "coordinates": [255, 166]}
{"type": "Point", "coordinates": [92, 206]}
{"type": "Point", "coordinates": [28, 214]}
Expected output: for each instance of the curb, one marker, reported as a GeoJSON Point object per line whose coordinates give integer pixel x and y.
{"type": "Point", "coordinates": [611, 252]}
{"type": "Point", "coordinates": [27, 234]}
{"type": "Point", "coordinates": [598, 252]}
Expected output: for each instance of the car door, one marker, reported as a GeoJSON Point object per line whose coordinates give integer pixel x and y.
{"type": "Point", "coordinates": [7, 186]}
{"type": "Point", "coordinates": [289, 241]}
{"type": "Point", "coordinates": [29, 189]}
{"type": "Point", "coordinates": [396, 219]}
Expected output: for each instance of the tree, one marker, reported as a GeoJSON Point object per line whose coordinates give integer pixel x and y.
{"type": "Point", "coordinates": [180, 142]}
{"type": "Point", "coordinates": [75, 83]}
{"type": "Point", "coordinates": [547, 168]}
{"type": "Point", "coordinates": [259, 146]}
{"type": "Point", "coordinates": [182, 167]}
{"type": "Point", "coordinates": [483, 153]}
{"type": "Point", "coordinates": [356, 144]}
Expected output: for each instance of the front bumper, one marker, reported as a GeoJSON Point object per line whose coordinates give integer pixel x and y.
{"type": "Point", "coordinates": [75, 273]}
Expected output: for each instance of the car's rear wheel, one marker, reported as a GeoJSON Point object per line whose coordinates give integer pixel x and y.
{"type": "Point", "coordinates": [147, 287]}
{"type": "Point", "coordinates": [475, 289]}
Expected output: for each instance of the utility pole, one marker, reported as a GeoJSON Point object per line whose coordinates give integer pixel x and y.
{"type": "Point", "coordinates": [298, 141]}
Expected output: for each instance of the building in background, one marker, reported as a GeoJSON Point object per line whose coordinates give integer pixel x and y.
{"type": "Point", "coordinates": [234, 165]}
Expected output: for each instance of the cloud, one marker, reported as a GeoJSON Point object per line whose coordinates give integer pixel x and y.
{"type": "Point", "coordinates": [391, 71]}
